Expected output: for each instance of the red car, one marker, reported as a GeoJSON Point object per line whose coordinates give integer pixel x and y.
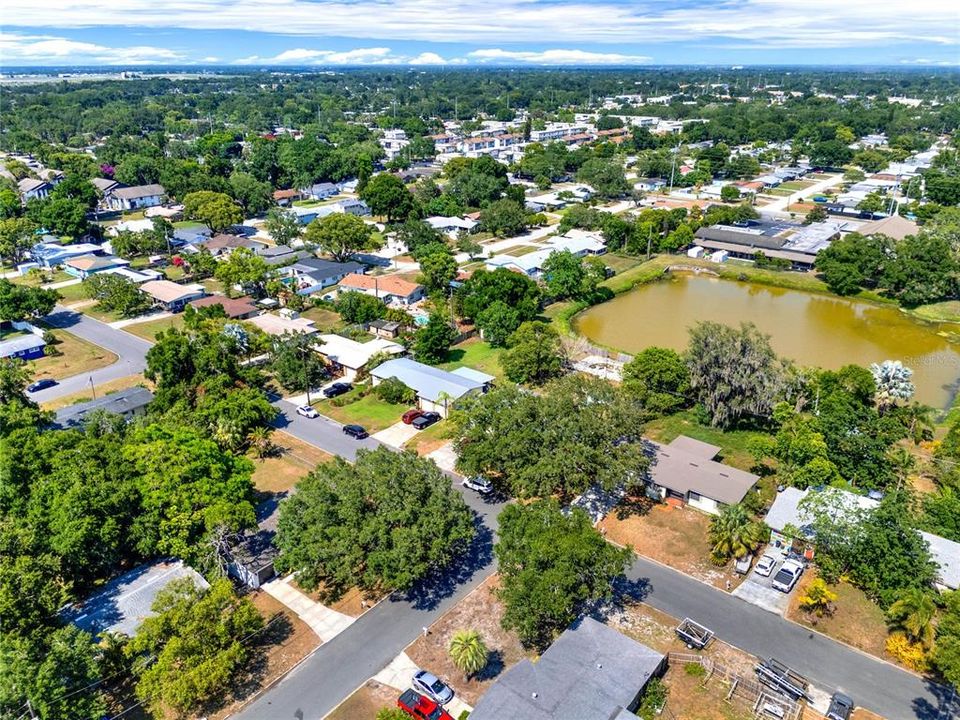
{"type": "Point", "coordinates": [410, 415]}
{"type": "Point", "coordinates": [423, 708]}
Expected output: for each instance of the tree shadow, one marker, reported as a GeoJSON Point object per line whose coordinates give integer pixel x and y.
{"type": "Point", "coordinates": [495, 665]}
{"type": "Point", "coordinates": [455, 354]}
{"type": "Point", "coordinates": [625, 592]}
{"type": "Point", "coordinates": [634, 506]}
{"type": "Point", "coordinates": [428, 593]}
{"type": "Point", "coordinates": [946, 702]}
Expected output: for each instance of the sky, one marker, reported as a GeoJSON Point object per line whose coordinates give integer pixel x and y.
{"type": "Point", "coordinates": [268, 33]}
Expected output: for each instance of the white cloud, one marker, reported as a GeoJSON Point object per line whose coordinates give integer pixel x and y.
{"type": "Point", "coordinates": [210, 59]}
{"type": "Point", "coordinates": [427, 58]}
{"type": "Point", "coordinates": [47, 49]}
{"type": "Point", "coordinates": [304, 56]}
{"type": "Point", "coordinates": [557, 57]}
{"type": "Point", "coordinates": [929, 62]}
{"type": "Point", "coordinates": [745, 23]}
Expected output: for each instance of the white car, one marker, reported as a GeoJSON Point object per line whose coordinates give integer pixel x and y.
{"type": "Point", "coordinates": [307, 411]}
{"type": "Point", "coordinates": [478, 483]}
{"type": "Point", "coordinates": [787, 575]}
{"type": "Point", "coordinates": [765, 565]}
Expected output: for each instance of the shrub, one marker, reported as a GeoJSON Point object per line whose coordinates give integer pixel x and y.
{"type": "Point", "coordinates": [694, 669]}
{"type": "Point", "coordinates": [911, 654]}
{"type": "Point", "coordinates": [654, 698]}
{"type": "Point", "coordinates": [393, 391]}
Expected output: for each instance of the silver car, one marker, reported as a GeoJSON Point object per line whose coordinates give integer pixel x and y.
{"type": "Point", "coordinates": [431, 686]}
{"type": "Point", "coordinates": [765, 565]}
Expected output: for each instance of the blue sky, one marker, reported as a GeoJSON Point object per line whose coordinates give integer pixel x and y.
{"type": "Point", "coordinates": [261, 33]}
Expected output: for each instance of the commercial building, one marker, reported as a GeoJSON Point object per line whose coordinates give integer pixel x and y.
{"type": "Point", "coordinates": [798, 244]}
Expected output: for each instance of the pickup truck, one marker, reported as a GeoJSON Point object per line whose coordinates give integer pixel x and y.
{"type": "Point", "coordinates": [423, 708]}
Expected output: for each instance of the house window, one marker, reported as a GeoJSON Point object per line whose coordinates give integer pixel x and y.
{"type": "Point", "coordinates": [694, 497]}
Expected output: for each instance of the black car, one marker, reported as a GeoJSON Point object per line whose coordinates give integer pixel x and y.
{"type": "Point", "coordinates": [841, 707]}
{"type": "Point", "coordinates": [355, 431]}
{"type": "Point", "coordinates": [426, 420]}
{"type": "Point", "coordinates": [337, 389]}
{"type": "Point", "coordinates": [41, 385]}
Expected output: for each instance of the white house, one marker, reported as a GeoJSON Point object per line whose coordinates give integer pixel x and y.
{"type": "Point", "coordinates": [437, 390]}
{"type": "Point", "coordinates": [352, 356]}
{"type": "Point", "coordinates": [32, 189]}
{"type": "Point", "coordinates": [134, 198]}
{"type": "Point", "coordinates": [451, 225]}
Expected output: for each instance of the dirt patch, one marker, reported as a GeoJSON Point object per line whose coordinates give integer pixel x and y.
{"type": "Point", "coordinates": [366, 702]}
{"type": "Point", "coordinates": [480, 611]}
{"type": "Point", "coordinates": [673, 536]}
{"type": "Point", "coordinates": [294, 459]}
{"type": "Point", "coordinates": [856, 621]}
{"type": "Point", "coordinates": [285, 642]}
{"type": "Point", "coordinates": [353, 602]}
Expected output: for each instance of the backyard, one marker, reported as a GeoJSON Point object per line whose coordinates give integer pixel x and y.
{"type": "Point", "coordinates": [477, 354]}
{"type": "Point", "coordinates": [733, 444]}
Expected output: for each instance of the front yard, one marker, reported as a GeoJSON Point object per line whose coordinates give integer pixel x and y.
{"type": "Point", "coordinates": [103, 389]}
{"type": "Point", "coordinates": [366, 702]}
{"type": "Point", "coordinates": [148, 330]}
{"type": "Point", "coordinates": [369, 411]}
{"type": "Point", "coordinates": [293, 459]}
{"type": "Point", "coordinates": [76, 356]}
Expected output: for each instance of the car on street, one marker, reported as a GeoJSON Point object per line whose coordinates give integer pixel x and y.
{"type": "Point", "coordinates": [41, 385]}
{"type": "Point", "coordinates": [336, 389]}
{"type": "Point", "coordinates": [431, 686]}
{"type": "Point", "coordinates": [307, 411]}
{"type": "Point", "coordinates": [765, 565]}
{"type": "Point", "coordinates": [787, 575]}
{"type": "Point", "coordinates": [423, 708]}
{"type": "Point", "coordinates": [841, 707]}
{"type": "Point", "coordinates": [410, 415]}
{"type": "Point", "coordinates": [479, 484]}
{"type": "Point", "coordinates": [355, 431]}
{"type": "Point", "coordinates": [425, 420]}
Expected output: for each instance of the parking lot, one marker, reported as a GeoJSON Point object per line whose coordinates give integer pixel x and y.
{"type": "Point", "coordinates": [759, 590]}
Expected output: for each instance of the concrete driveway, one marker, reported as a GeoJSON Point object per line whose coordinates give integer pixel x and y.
{"type": "Point", "coordinates": [759, 591]}
{"type": "Point", "coordinates": [396, 435]}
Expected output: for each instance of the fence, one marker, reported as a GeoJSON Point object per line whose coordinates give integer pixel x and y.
{"type": "Point", "coordinates": [744, 691]}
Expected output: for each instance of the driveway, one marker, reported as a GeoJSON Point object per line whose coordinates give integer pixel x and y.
{"type": "Point", "coordinates": [759, 590]}
{"type": "Point", "coordinates": [130, 350]}
{"type": "Point", "coordinates": [396, 435]}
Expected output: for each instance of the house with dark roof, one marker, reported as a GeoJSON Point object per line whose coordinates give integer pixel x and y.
{"type": "Point", "coordinates": [222, 244]}
{"type": "Point", "coordinates": [278, 255]}
{"type": "Point", "coordinates": [33, 189]}
{"type": "Point", "coordinates": [590, 672]}
{"type": "Point", "coordinates": [135, 197]}
{"type": "Point", "coordinates": [309, 276]}
{"type": "Point", "coordinates": [685, 471]}
{"type": "Point", "coordinates": [127, 403]}
{"type": "Point", "coordinates": [798, 244]}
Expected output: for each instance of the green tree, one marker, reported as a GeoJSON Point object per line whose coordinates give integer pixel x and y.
{"type": "Point", "coordinates": [9, 204]}
{"type": "Point", "coordinates": [504, 218]}
{"type": "Point", "coordinates": [817, 214]}
{"type": "Point", "coordinates": [295, 362]}
{"type": "Point", "coordinates": [605, 176]}
{"type": "Point", "coordinates": [416, 234]}
{"type": "Point", "coordinates": [193, 648]}
{"type": "Point", "coordinates": [914, 612]}
{"type": "Point", "coordinates": [923, 270]}
{"type": "Point", "coordinates": [20, 302]}
{"type": "Point", "coordinates": [534, 354]}
{"type": "Point", "coordinates": [254, 196]}
{"type": "Point", "coordinates": [393, 391]}
{"type": "Point", "coordinates": [853, 262]}
{"type": "Point", "coordinates": [114, 293]}
{"type": "Point", "coordinates": [733, 534]}
{"type": "Point", "coordinates": [484, 288]}
{"type": "Point", "coordinates": [61, 216]}
{"type": "Point", "coordinates": [358, 307]}
{"type": "Point", "coordinates": [946, 653]}
{"type": "Point", "coordinates": [340, 235]}
{"type": "Point", "coordinates": [730, 193]}
{"type": "Point", "coordinates": [384, 523]}
{"type": "Point", "coordinates": [216, 210]}
{"type": "Point", "coordinates": [818, 598]}
{"type": "Point", "coordinates": [386, 195]}
{"type": "Point", "coordinates": [434, 339]}
{"type": "Point", "coordinates": [16, 237]}
{"type": "Point", "coordinates": [498, 322]}
{"type": "Point", "coordinates": [283, 225]}
{"type": "Point", "coordinates": [734, 372]}
{"type": "Point", "coordinates": [245, 269]}
{"type": "Point", "coordinates": [468, 652]}
{"type": "Point", "coordinates": [551, 566]}
{"type": "Point", "coordinates": [565, 275]}
{"type": "Point", "coordinates": [438, 269]}
{"type": "Point", "coordinates": [659, 379]}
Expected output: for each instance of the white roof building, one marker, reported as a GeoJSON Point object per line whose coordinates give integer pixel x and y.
{"type": "Point", "coordinates": [276, 325]}
{"type": "Point", "coordinates": [352, 355]}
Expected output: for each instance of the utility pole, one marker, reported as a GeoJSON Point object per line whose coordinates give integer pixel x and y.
{"type": "Point", "coordinates": [92, 388]}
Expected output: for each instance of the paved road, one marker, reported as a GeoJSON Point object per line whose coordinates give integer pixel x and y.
{"type": "Point", "coordinates": [129, 349]}
{"type": "Point", "coordinates": [322, 432]}
{"type": "Point", "coordinates": [779, 206]}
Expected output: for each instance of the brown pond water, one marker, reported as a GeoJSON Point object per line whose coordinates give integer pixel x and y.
{"type": "Point", "coordinates": [813, 329]}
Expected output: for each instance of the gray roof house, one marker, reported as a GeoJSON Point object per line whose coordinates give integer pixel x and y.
{"type": "Point", "coordinates": [126, 601]}
{"type": "Point", "coordinates": [315, 274]}
{"type": "Point", "coordinates": [591, 672]}
{"type": "Point", "coordinates": [946, 554]}
{"type": "Point", "coordinates": [128, 403]}
{"type": "Point", "coordinates": [435, 388]}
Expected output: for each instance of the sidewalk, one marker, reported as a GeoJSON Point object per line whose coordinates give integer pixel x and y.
{"type": "Point", "coordinates": [326, 623]}
{"type": "Point", "coordinates": [118, 324]}
{"type": "Point", "coordinates": [399, 673]}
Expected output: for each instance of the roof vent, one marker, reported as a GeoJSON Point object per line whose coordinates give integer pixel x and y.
{"type": "Point", "coordinates": [723, 474]}
{"type": "Point", "coordinates": [534, 695]}
{"type": "Point", "coordinates": [599, 666]}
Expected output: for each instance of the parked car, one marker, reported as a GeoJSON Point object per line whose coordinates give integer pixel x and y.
{"type": "Point", "coordinates": [787, 575]}
{"type": "Point", "coordinates": [426, 420]}
{"type": "Point", "coordinates": [741, 565]}
{"type": "Point", "coordinates": [423, 708]}
{"type": "Point", "coordinates": [410, 415]}
{"type": "Point", "coordinates": [337, 389]}
{"type": "Point", "coordinates": [431, 686]}
{"type": "Point", "coordinates": [765, 565]}
{"type": "Point", "coordinates": [478, 483]}
{"type": "Point", "coordinates": [307, 411]}
{"type": "Point", "coordinates": [841, 707]}
{"type": "Point", "coordinates": [355, 431]}
{"type": "Point", "coordinates": [41, 385]}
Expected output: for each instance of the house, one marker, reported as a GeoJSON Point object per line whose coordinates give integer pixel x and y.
{"type": "Point", "coordinates": [352, 356]}
{"type": "Point", "coordinates": [105, 185]}
{"type": "Point", "coordinates": [530, 264]}
{"type": "Point", "coordinates": [798, 244]}
{"type": "Point", "coordinates": [125, 602]}
{"type": "Point", "coordinates": [86, 265]}
{"type": "Point", "coordinates": [23, 347]}
{"type": "Point", "coordinates": [144, 224]}
{"type": "Point", "coordinates": [590, 672]}
{"type": "Point", "coordinates": [171, 296]}
{"type": "Point", "coordinates": [436, 389]}
{"type": "Point", "coordinates": [135, 197]}
{"type": "Point", "coordinates": [320, 191]}
{"type": "Point", "coordinates": [308, 276]}
{"type": "Point", "coordinates": [32, 189]}
{"type": "Point", "coordinates": [384, 328]}
{"type": "Point", "coordinates": [276, 325]}
{"type": "Point", "coordinates": [352, 206]}
{"type": "Point", "coordinates": [895, 227]}
{"type": "Point", "coordinates": [283, 198]}
{"type": "Point", "coordinates": [50, 254]}
{"type": "Point", "coordinates": [579, 242]}
{"type": "Point", "coordinates": [946, 554]}
{"type": "Point", "coordinates": [222, 244]}
{"type": "Point", "coordinates": [126, 403]}
{"type": "Point", "coordinates": [135, 276]}
{"type": "Point", "coordinates": [250, 559]}
{"type": "Point", "coordinates": [685, 470]}
{"type": "Point", "coordinates": [235, 308]}
{"type": "Point", "coordinates": [277, 255]}
{"type": "Point", "coordinates": [451, 225]}
{"type": "Point", "coordinates": [388, 288]}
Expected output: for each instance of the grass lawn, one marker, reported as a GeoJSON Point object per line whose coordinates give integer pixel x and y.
{"type": "Point", "coordinates": [95, 312]}
{"type": "Point", "coordinates": [76, 356]}
{"type": "Point", "coordinates": [148, 330]}
{"type": "Point", "coordinates": [370, 412]}
{"type": "Point", "coordinates": [426, 441]}
{"type": "Point", "coordinates": [103, 389]}
{"type": "Point", "coordinates": [324, 318]}
{"type": "Point", "coordinates": [796, 185]}
{"type": "Point", "coordinates": [36, 280]}
{"type": "Point", "coordinates": [213, 286]}
{"type": "Point", "coordinates": [477, 354]}
{"type": "Point", "coordinates": [518, 250]}
{"type": "Point", "coordinates": [173, 273]}
{"type": "Point", "coordinates": [620, 263]}
{"type": "Point", "coordinates": [282, 471]}
{"type": "Point", "coordinates": [857, 621]}
{"type": "Point", "coordinates": [948, 311]}
{"type": "Point", "coordinates": [733, 443]}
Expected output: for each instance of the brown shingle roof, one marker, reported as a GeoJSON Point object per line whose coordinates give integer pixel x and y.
{"type": "Point", "coordinates": [233, 307]}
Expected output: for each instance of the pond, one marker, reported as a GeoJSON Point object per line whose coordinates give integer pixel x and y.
{"type": "Point", "coordinates": [812, 329]}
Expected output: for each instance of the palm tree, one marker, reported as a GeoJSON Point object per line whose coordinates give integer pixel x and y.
{"type": "Point", "coordinates": [259, 440]}
{"type": "Point", "coordinates": [468, 652]}
{"type": "Point", "coordinates": [819, 598]}
{"type": "Point", "coordinates": [893, 383]}
{"type": "Point", "coordinates": [733, 533]}
{"type": "Point", "coordinates": [914, 611]}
